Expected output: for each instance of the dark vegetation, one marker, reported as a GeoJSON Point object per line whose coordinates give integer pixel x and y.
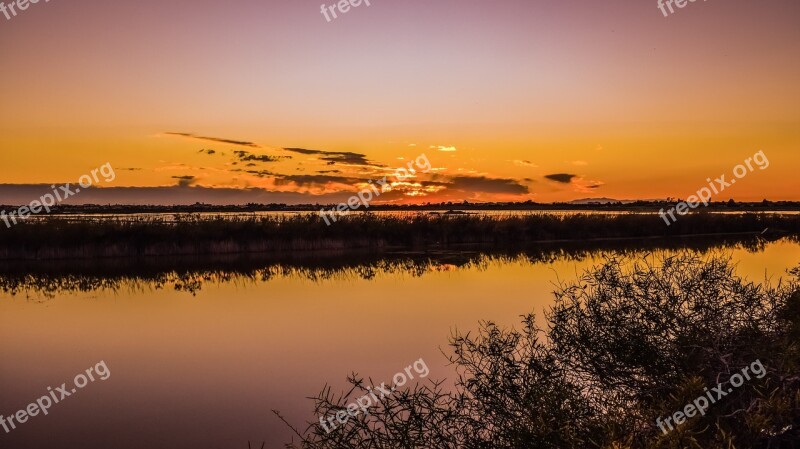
{"type": "Point", "coordinates": [626, 343]}
{"type": "Point", "coordinates": [580, 205]}
{"type": "Point", "coordinates": [54, 238]}
{"type": "Point", "coordinates": [43, 279]}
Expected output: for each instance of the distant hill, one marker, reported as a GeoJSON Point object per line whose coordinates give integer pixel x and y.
{"type": "Point", "coordinates": [585, 201]}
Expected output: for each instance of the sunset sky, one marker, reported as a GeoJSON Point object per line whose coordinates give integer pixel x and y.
{"type": "Point", "coordinates": [509, 100]}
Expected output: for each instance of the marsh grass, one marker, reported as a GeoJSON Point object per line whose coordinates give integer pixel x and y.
{"type": "Point", "coordinates": [44, 279]}
{"type": "Point", "coordinates": [55, 238]}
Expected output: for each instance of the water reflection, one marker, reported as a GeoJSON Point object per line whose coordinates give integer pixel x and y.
{"type": "Point", "coordinates": [40, 280]}
{"type": "Point", "coordinates": [203, 349]}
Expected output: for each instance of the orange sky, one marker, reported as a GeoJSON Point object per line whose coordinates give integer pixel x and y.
{"type": "Point", "coordinates": [540, 100]}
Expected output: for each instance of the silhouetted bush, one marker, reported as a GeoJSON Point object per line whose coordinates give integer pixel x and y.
{"type": "Point", "coordinates": [626, 343]}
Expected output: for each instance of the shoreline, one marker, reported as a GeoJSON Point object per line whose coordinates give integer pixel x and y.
{"type": "Point", "coordinates": [190, 273]}
{"type": "Point", "coordinates": [54, 238]}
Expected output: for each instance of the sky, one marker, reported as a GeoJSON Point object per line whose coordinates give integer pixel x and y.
{"type": "Point", "coordinates": [511, 100]}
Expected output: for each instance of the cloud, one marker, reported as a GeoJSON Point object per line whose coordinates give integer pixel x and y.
{"type": "Point", "coordinates": [185, 181]}
{"type": "Point", "coordinates": [129, 168]}
{"type": "Point", "coordinates": [260, 173]}
{"type": "Point", "coordinates": [334, 157]}
{"type": "Point", "coordinates": [587, 185]}
{"type": "Point", "coordinates": [246, 156]}
{"type": "Point", "coordinates": [215, 139]}
{"type": "Point", "coordinates": [170, 195]}
{"type": "Point", "coordinates": [579, 183]}
{"type": "Point", "coordinates": [314, 180]}
{"type": "Point", "coordinates": [520, 163]}
{"type": "Point", "coordinates": [305, 151]}
{"type": "Point", "coordinates": [209, 152]}
{"type": "Point", "coordinates": [488, 185]}
{"type": "Point", "coordinates": [563, 178]}
{"type": "Point", "coordinates": [445, 149]}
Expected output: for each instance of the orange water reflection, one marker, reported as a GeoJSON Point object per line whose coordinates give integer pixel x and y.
{"type": "Point", "coordinates": [205, 370]}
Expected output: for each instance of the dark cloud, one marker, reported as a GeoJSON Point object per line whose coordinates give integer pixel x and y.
{"type": "Point", "coordinates": [563, 178]}
{"type": "Point", "coordinates": [304, 151]}
{"type": "Point", "coordinates": [488, 185]}
{"type": "Point", "coordinates": [246, 156]}
{"type": "Point", "coordinates": [329, 171]}
{"type": "Point", "coordinates": [337, 157]}
{"type": "Point", "coordinates": [129, 168]}
{"type": "Point", "coordinates": [308, 180]}
{"type": "Point", "coordinates": [350, 158]}
{"type": "Point", "coordinates": [436, 184]}
{"type": "Point", "coordinates": [243, 143]}
{"type": "Point", "coordinates": [260, 173]}
{"type": "Point", "coordinates": [19, 194]}
{"type": "Point", "coordinates": [209, 152]}
{"type": "Point", "coordinates": [185, 181]}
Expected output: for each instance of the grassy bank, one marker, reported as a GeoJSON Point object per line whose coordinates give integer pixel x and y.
{"type": "Point", "coordinates": [55, 239]}
{"type": "Point", "coordinates": [45, 279]}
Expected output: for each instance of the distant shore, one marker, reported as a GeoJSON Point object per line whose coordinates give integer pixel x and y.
{"type": "Point", "coordinates": [54, 238]}
{"type": "Point", "coordinates": [583, 205]}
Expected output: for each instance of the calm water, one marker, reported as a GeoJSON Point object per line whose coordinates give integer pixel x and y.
{"type": "Point", "coordinates": [202, 366]}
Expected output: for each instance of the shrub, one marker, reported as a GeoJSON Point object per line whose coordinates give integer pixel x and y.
{"type": "Point", "coordinates": [626, 343]}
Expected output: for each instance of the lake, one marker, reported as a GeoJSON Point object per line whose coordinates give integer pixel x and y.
{"type": "Point", "coordinates": [200, 356]}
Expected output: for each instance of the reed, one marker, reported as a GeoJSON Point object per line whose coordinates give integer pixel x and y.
{"type": "Point", "coordinates": [46, 279]}
{"type": "Point", "coordinates": [55, 238]}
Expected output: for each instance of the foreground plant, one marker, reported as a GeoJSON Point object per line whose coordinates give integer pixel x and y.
{"type": "Point", "coordinates": [625, 344]}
